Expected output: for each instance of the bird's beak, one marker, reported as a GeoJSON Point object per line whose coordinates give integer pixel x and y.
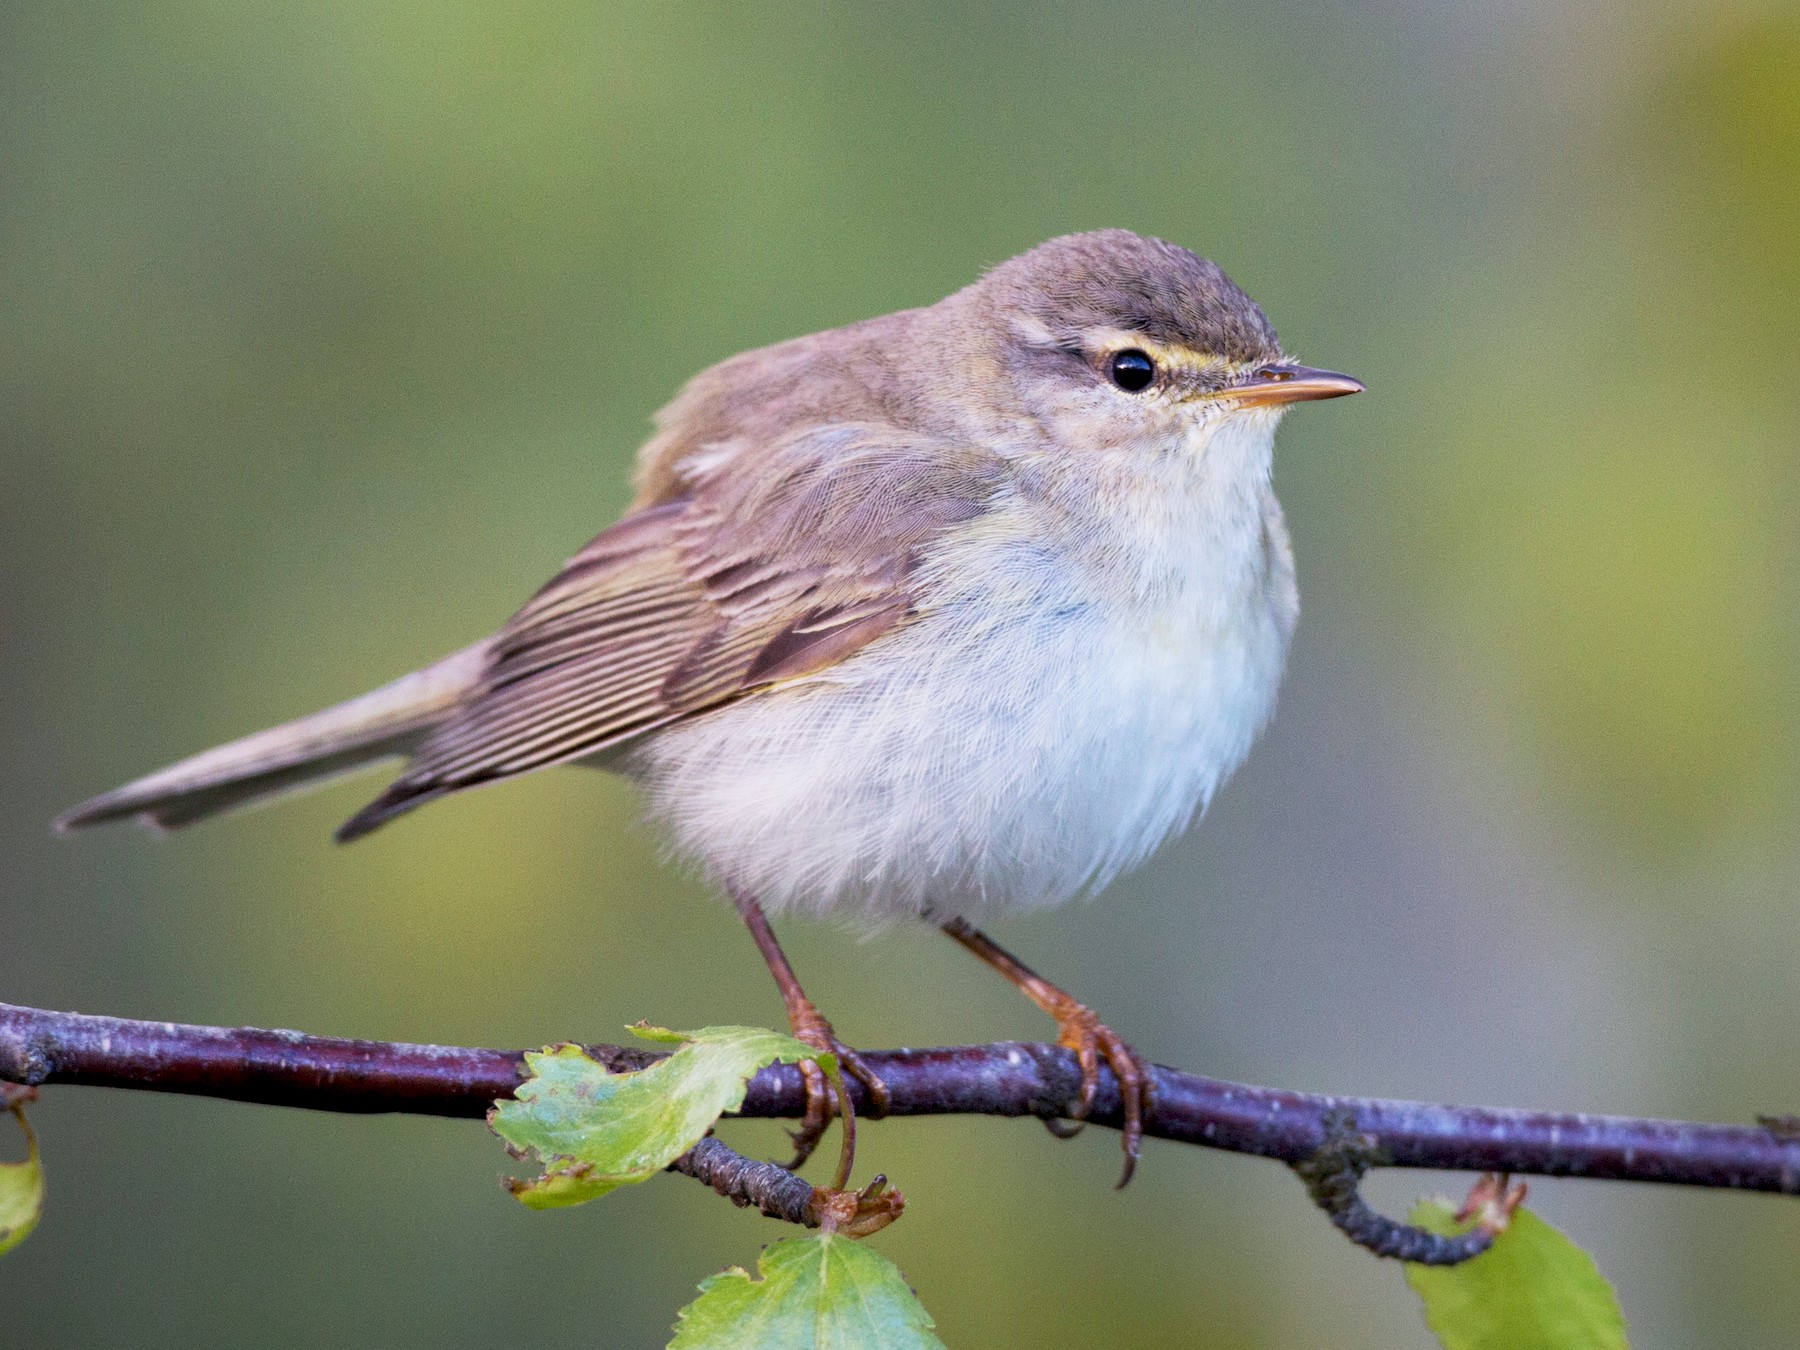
{"type": "Point", "coordinates": [1284, 383]}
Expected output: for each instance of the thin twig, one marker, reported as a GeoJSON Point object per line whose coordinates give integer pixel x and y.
{"type": "Point", "coordinates": [1333, 1175]}
{"type": "Point", "coordinates": [763, 1186]}
{"type": "Point", "coordinates": [286, 1068]}
{"type": "Point", "coordinates": [779, 1194]}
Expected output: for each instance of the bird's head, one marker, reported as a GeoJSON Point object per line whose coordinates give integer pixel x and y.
{"type": "Point", "coordinates": [1111, 340]}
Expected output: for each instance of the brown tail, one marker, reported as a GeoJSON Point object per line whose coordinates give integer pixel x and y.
{"type": "Point", "coordinates": [388, 722]}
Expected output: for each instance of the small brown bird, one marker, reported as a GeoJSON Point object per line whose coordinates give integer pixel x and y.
{"type": "Point", "coordinates": [955, 611]}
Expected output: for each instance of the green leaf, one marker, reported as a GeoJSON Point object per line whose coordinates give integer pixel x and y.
{"type": "Point", "coordinates": [824, 1292]}
{"type": "Point", "coordinates": [596, 1131]}
{"type": "Point", "coordinates": [21, 1192]}
{"type": "Point", "coordinates": [1532, 1290]}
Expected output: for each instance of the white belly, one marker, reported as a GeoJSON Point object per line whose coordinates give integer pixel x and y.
{"type": "Point", "coordinates": [1015, 747]}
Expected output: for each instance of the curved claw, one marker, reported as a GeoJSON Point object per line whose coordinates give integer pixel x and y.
{"type": "Point", "coordinates": [824, 1100]}
{"type": "Point", "coordinates": [819, 1110]}
{"type": "Point", "coordinates": [854, 1065]}
{"type": "Point", "coordinates": [1090, 1039]}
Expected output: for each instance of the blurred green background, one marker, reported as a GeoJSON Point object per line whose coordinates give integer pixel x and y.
{"type": "Point", "coordinates": [330, 330]}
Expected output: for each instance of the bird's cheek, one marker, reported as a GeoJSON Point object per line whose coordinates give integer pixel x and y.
{"type": "Point", "coordinates": [1096, 425]}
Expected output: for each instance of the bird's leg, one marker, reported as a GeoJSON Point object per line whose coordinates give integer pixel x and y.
{"type": "Point", "coordinates": [1082, 1032]}
{"type": "Point", "coordinates": [809, 1025]}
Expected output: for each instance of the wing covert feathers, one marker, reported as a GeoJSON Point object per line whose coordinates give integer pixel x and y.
{"type": "Point", "coordinates": [750, 579]}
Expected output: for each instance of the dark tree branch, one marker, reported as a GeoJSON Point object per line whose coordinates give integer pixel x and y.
{"type": "Point", "coordinates": [287, 1068]}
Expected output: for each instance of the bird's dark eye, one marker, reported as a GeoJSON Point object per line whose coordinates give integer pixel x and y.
{"type": "Point", "coordinates": [1131, 370]}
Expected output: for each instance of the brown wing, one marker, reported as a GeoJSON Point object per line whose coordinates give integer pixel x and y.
{"type": "Point", "coordinates": [759, 575]}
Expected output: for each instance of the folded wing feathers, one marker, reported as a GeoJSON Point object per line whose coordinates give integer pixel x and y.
{"type": "Point", "coordinates": [696, 602]}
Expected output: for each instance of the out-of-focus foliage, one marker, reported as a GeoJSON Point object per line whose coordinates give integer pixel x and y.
{"type": "Point", "coordinates": [330, 330]}
{"type": "Point", "coordinates": [595, 1131]}
{"type": "Point", "coordinates": [1612, 518]}
{"type": "Point", "coordinates": [21, 1191]}
{"type": "Point", "coordinates": [811, 1293]}
{"type": "Point", "coordinates": [1723, 139]}
{"type": "Point", "coordinates": [1532, 1290]}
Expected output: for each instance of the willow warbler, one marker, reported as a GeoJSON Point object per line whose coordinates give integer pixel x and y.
{"type": "Point", "coordinates": [960, 610]}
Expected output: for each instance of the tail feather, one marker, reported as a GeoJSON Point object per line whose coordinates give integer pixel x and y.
{"type": "Point", "coordinates": [390, 721]}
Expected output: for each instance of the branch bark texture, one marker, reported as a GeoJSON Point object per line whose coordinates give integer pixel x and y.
{"type": "Point", "coordinates": [286, 1068]}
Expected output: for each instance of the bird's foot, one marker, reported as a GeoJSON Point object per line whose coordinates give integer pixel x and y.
{"type": "Point", "coordinates": [1089, 1037]}
{"type": "Point", "coordinates": [1091, 1040]}
{"type": "Point", "coordinates": [810, 1026]}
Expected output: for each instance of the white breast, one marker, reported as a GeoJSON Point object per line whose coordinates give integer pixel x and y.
{"type": "Point", "coordinates": [1061, 708]}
